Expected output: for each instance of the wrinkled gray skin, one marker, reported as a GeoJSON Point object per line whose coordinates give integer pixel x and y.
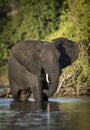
{"type": "Point", "coordinates": [32, 60]}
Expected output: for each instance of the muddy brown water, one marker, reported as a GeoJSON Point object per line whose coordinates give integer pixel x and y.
{"type": "Point", "coordinates": [64, 113]}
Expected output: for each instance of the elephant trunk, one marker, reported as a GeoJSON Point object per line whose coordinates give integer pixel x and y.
{"type": "Point", "coordinates": [53, 84]}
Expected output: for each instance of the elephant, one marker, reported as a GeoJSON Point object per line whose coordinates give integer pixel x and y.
{"type": "Point", "coordinates": [35, 67]}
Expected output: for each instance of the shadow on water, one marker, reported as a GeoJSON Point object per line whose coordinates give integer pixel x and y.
{"type": "Point", "coordinates": [57, 114]}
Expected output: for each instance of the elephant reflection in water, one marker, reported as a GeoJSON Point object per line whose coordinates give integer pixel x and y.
{"type": "Point", "coordinates": [22, 109]}
{"type": "Point", "coordinates": [35, 67]}
{"type": "Point", "coordinates": [31, 115]}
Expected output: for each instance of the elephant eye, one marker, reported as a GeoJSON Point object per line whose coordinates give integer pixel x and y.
{"type": "Point", "coordinates": [43, 59]}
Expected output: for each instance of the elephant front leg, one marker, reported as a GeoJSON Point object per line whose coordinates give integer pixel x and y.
{"type": "Point", "coordinates": [38, 94]}
{"type": "Point", "coordinates": [37, 90]}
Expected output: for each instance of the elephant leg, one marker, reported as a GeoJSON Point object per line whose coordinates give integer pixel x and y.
{"type": "Point", "coordinates": [38, 94]}
{"type": "Point", "coordinates": [14, 89]}
{"type": "Point", "coordinates": [17, 93]}
{"type": "Point", "coordinates": [21, 95]}
{"type": "Point", "coordinates": [37, 89]}
{"type": "Point", "coordinates": [24, 94]}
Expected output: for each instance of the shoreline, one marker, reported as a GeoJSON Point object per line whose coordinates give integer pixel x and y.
{"type": "Point", "coordinates": [4, 81]}
{"type": "Point", "coordinates": [6, 93]}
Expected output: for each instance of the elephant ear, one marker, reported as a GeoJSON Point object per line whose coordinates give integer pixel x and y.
{"type": "Point", "coordinates": [25, 53]}
{"type": "Point", "coordinates": [68, 49]}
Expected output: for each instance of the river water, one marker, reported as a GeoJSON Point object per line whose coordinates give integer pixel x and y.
{"type": "Point", "coordinates": [58, 114]}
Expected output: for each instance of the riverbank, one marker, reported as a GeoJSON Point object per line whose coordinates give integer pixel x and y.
{"type": "Point", "coordinates": [6, 93]}
{"type": "Point", "coordinates": [4, 81]}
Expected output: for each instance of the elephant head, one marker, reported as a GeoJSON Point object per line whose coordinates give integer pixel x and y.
{"type": "Point", "coordinates": [36, 56]}
{"type": "Point", "coordinates": [68, 52]}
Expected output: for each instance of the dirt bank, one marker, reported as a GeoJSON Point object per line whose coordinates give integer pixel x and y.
{"type": "Point", "coordinates": [4, 81]}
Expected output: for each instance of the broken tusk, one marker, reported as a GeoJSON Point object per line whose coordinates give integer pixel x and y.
{"type": "Point", "coordinates": [47, 78]}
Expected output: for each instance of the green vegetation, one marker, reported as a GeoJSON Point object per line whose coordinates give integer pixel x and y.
{"type": "Point", "coordinates": [46, 20]}
{"type": "Point", "coordinates": [75, 25]}
{"type": "Point", "coordinates": [31, 19]}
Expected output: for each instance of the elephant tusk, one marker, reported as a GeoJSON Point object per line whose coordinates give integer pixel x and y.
{"type": "Point", "coordinates": [47, 78]}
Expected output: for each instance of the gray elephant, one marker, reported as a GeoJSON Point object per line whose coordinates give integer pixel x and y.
{"type": "Point", "coordinates": [35, 67]}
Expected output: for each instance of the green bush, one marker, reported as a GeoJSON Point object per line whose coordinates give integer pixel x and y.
{"type": "Point", "coordinates": [75, 25]}
{"type": "Point", "coordinates": [32, 20]}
